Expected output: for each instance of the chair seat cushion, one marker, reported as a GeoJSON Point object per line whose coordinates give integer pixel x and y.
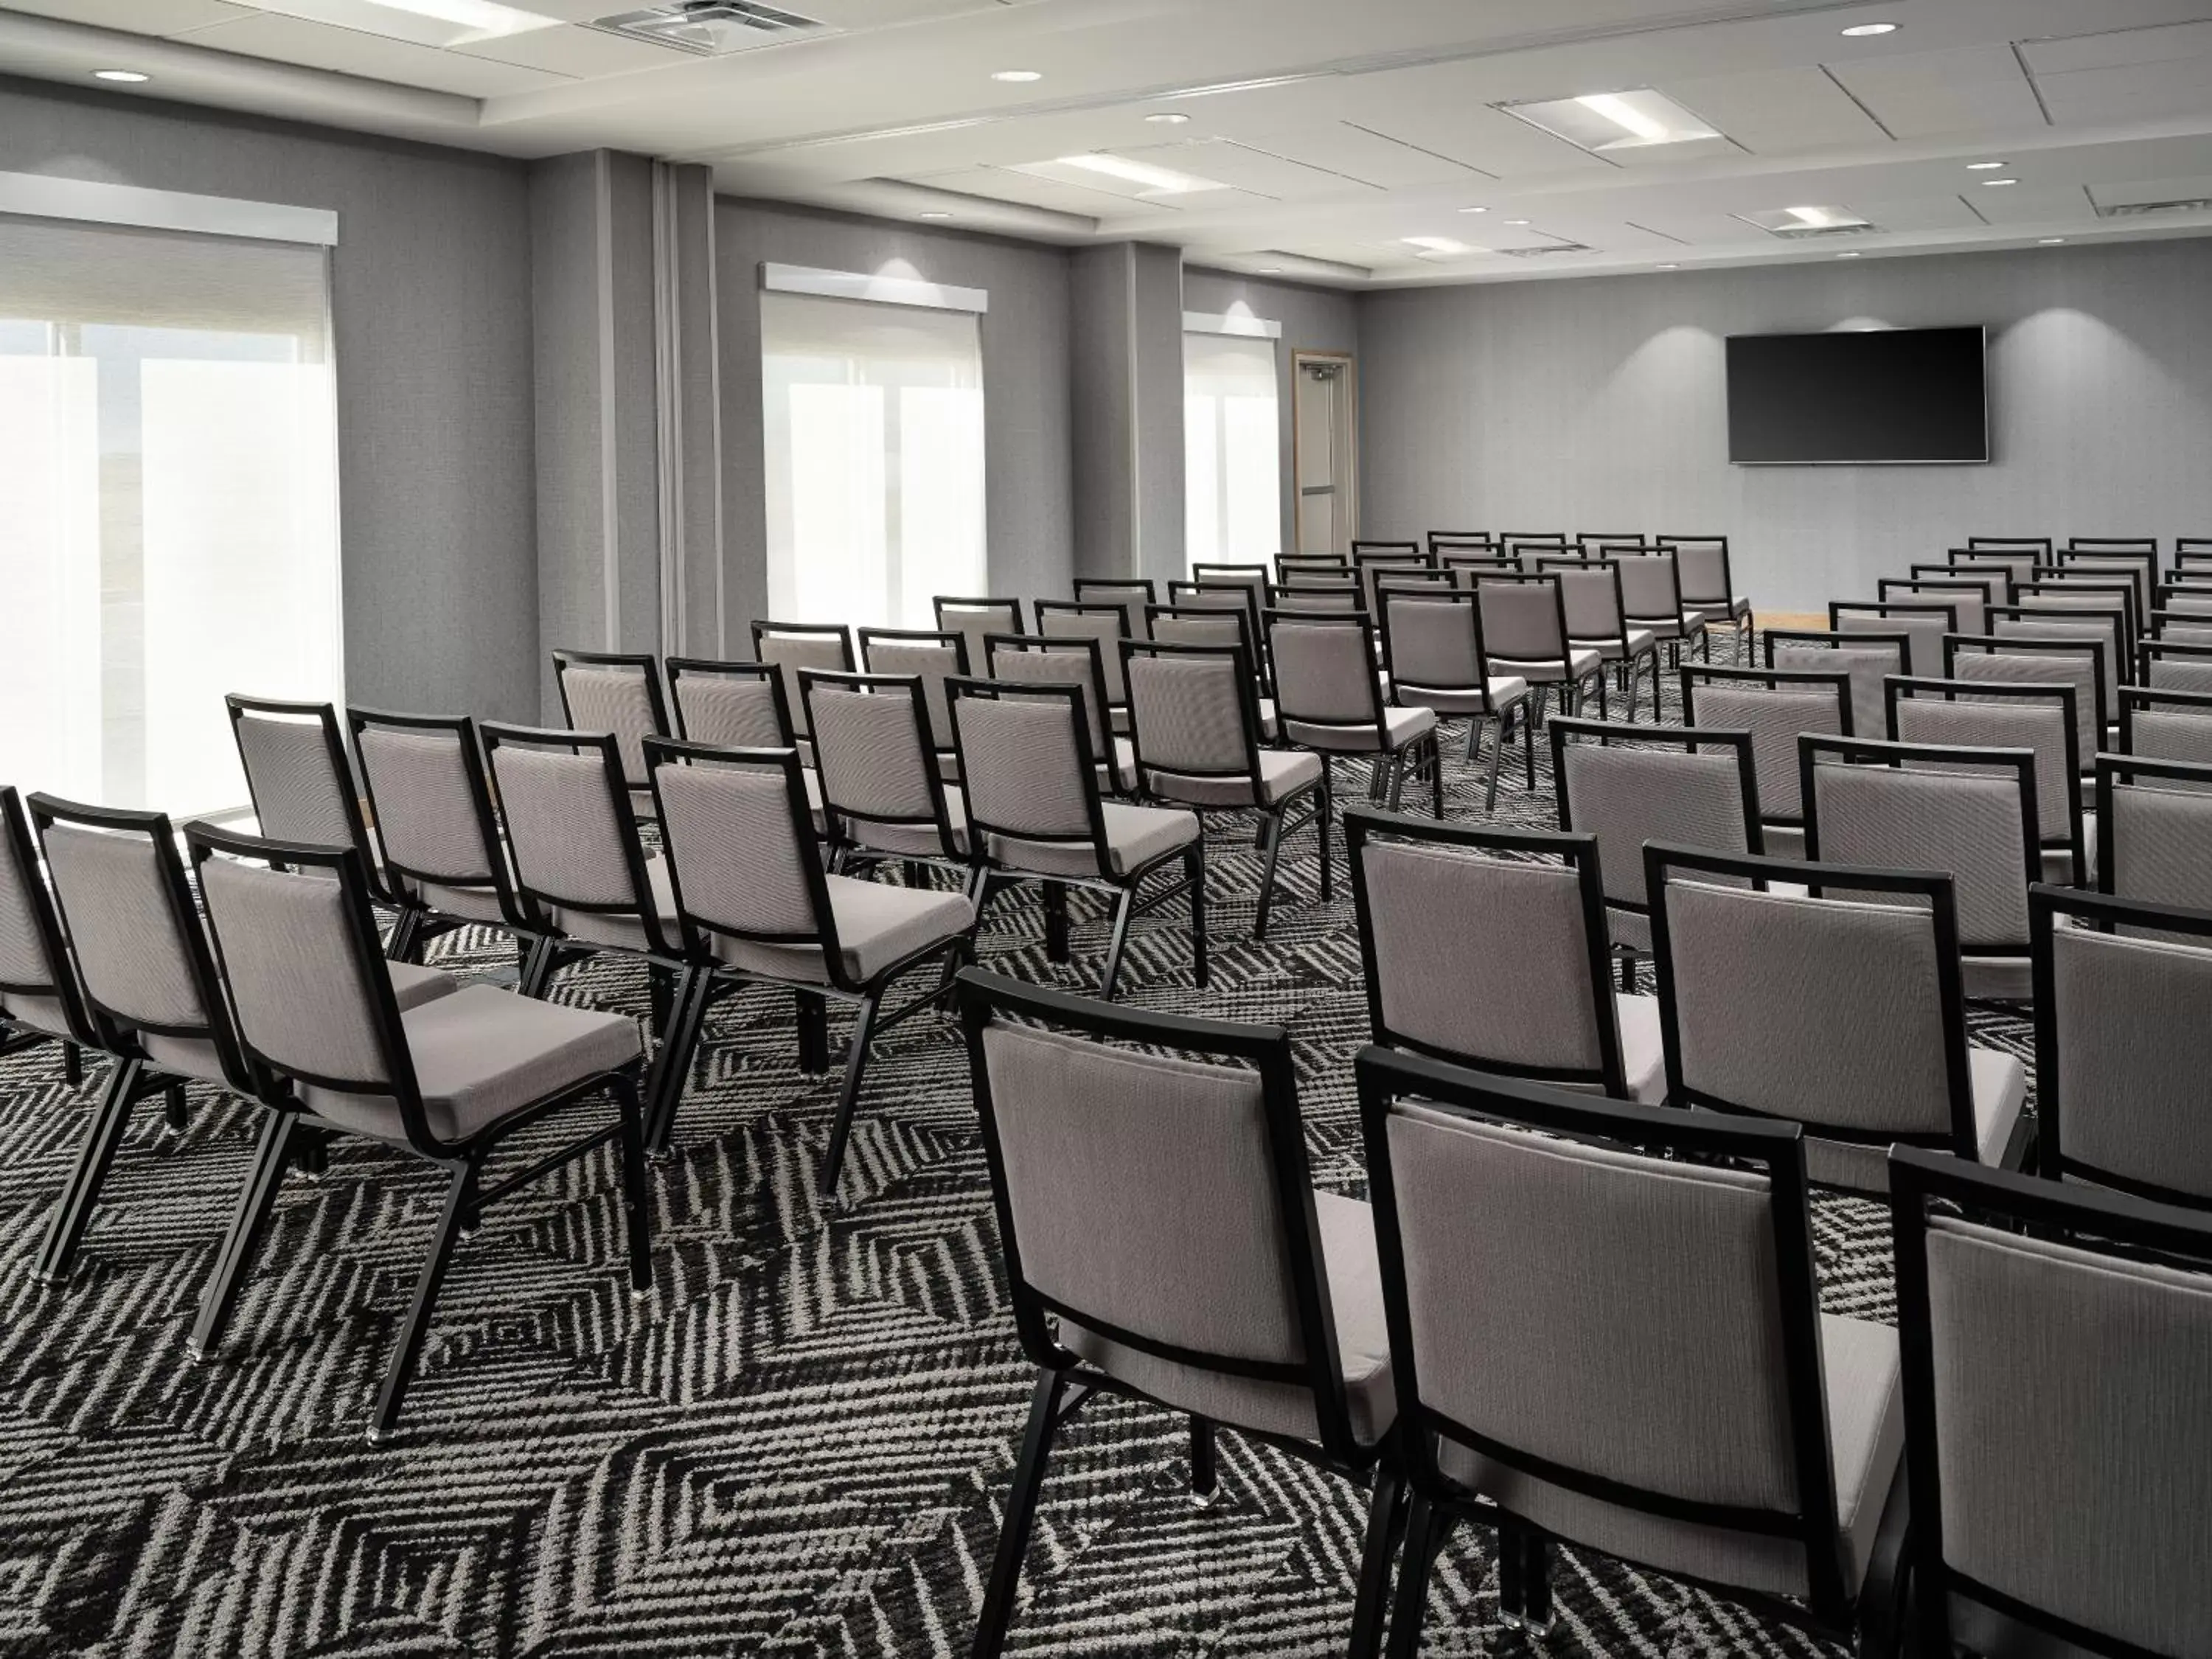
{"type": "Point", "coordinates": [1581, 663]}
{"type": "Point", "coordinates": [2000, 1086]}
{"type": "Point", "coordinates": [1865, 1438]}
{"type": "Point", "coordinates": [1362, 1344]}
{"type": "Point", "coordinates": [468, 904]}
{"type": "Point", "coordinates": [1121, 779]}
{"type": "Point", "coordinates": [1400, 727]}
{"type": "Point", "coordinates": [412, 987]}
{"type": "Point", "coordinates": [1505, 691]}
{"type": "Point", "coordinates": [916, 840]}
{"type": "Point", "coordinates": [1283, 773]}
{"type": "Point", "coordinates": [1639, 641]}
{"type": "Point", "coordinates": [195, 1057]}
{"type": "Point", "coordinates": [1135, 836]}
{"type": "Point", "coordinates": [38, 1012]}
{"type": "Point", "coordinates": [618, 932]}
{"type": "Point", "coordinates": [1642, 1051]}
{"type": "Point", "coordinates": [1271, 726]}
{"type": "Point", "coordinates": [877, 925]}
{"type": "Point", "coordinates": [482, 1055]}
{"type": "Point", "coordinates": [1997, 979]}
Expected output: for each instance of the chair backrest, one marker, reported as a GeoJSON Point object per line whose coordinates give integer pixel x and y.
{"type": "Point", "coordinates": [1443, 542]}
{"type": "Point", "coordinates": [35, 967]}
{"type": "Point", "coordinates": [1486, 946]}
{"type": "Point", "coordinates": [1630, 784]}
{"type": "Point", "coordinates": [1467, 567]}
{"type": "Point", "coordinates": [931, 656]}
{"type": "Point", "coordinates": [572, 834]}
{"type": "Point", "coordinates": [2154, 831]}
{"type": "Point", "coordinates": [740, 850]}
{"type": "Point", "coordinates": [2189, 598]}
{"type": "Point", "coordinates": [737, 705]}
{"type": "Point", "coordinates": [1292, 566]}
{"type": "Point", "coordinates": [2122, 991]}
{"type": "Point", "coordinates": [1995, 661]}
{"type": "Point", "coordinates": [1523, 617]}
{"type": "Point", "coordinates": [1208, 579]}
{"type": "Point", "coordinates": [616, 692]}
{"type": "Point", "coordinates": [2044, 620]}
{"type": "Point", "coordinates": [1866, 658]}
{"type": "Point", "coordinates": [298, 775]}
{"type": "Point", "coordinates": [1604, 543]}
{"type": "Point", "coordinates": [2011, 546]}
{"type": "Point", "coordinates": [1028, 766]}
{"type": "Point", "coordinates": [1979, 714]}
{"type": "Point", "coordinates": [1774, 705]}
{"type": "Point", "coordinates": [1843, 1014]}
{"type": "Point", "coordinates": [2174, 726]}
{"type": "Point", "coordinates": [1161, 1200]}
{"type": "Point", "coordinates": [1363, 551]}
{"type": "Point", "coordinates": [1651, 589]}
{"type": "Point", "coordinates": [1969, 599]}
{"type": "Point", "coordinates": [1109, 624]}
{"type": "Point", "coordinates": [1184, 623]}
{"type": "Point", "coordinates": [1924, 623]}
{"type": "Point", "coordinates": [1433, 642]}
{"type": "Point", "coordinates": [1220, 593]}
{"type": "Point", "coordinates": [1376, 569]}
{"type": "Point", "coordinates": [425, 778]}
{"type": "Point", "coordinates": [1527, 546]}
{"type": "Point", "coordinates": [2140, 570]}
{"type": "Point", "coordinates": [2181, 626]}
{"type": "Point", "coordinates": [1591, 598]}
{"type": "Point", "coordinates": [1918, 806]}
{"type": "Point", "coordinates": [1963, 564]}
{"type": "Point", "coordinates": [1620, 1301]}
{"type": "Point", "coordinates": [2174, 665]}
{"type": "Point", "coordinates": [793, 646]}
{"type": "Point", "coordinates": [976, 620]}
{"type": "Point", "coordinates": [1193, 711]}
{"type": "Point", "coordinates": [1329, 594]}
{"type": "Point", "coordinates": [1325, 673]}
{"type": "Point", "coordinates": [2059, 587]}
{"type": "Point", "coordinates": [1701, 567]}
{"type": "Point", "coordinates": [875, 751]}
{"type": "Point", "coordinates": [1132, 594]}
{"type": "Point", "coordinates": [2054, 1344]}
{"type": "Point", "coordinates": [129, 925]}
{"type": "Point", "coordinates": [1033, 660]}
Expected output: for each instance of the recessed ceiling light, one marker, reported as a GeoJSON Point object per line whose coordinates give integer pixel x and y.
{"type": "Point", "coordinates": [445, 23]}
{"type": "Point", "coordinates": [1160, 181]}
{"type": "Point", "coordinates": [1602, 122]}
{"type": "Point", "coordinates": [1017, 74]}
{"type": "Point", "coordinates": [1847, 256]}
{"type": "Point", "coordinates": [1271, 270]}
{"type": "Point", "coordinates": [1992, 183]}
{"type": "Point", "coordinates": [1516, 222]}
{"type": "Point", "coordinates": [1984, 167]}
{"type": "Point", "coordinates": [2051, 241]}
{"type": "Point", "coordinates": [1168, 119]}
{"type": "Point", "coordinates": [132, 77]}
{"type": "Point", "coordinates": [1475, 209]}
{"type": "Point", "coordinates": [935, 213]}
{"type": "Point", "coordinates": [1861, 31]}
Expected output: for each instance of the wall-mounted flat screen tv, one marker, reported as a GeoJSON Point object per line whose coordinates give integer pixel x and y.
{"type": "Point", "coordinates": [1858, 396]}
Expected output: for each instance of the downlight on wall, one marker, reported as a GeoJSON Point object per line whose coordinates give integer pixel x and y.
{"type": "Point", "coordinates": [1605, 123]}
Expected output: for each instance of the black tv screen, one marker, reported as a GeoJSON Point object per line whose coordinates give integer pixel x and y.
{"type": "Point", "coordinates": [1862, 395]}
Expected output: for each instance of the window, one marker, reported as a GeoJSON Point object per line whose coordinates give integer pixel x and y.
{"type": "Point", "coordinates": [1232, 438]}
{"type": "Point", "coordinates": [873, 424]}
{"type": "Point", "coordinates": [168, 506]}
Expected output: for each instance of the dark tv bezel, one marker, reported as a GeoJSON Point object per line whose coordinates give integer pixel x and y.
{"type": "Point", "coordinates": [1988, 456]}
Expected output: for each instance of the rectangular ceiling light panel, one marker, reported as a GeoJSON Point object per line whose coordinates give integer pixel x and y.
{"type": "Point", "coordinates": [1607, 121]}
{"type": "Point", "coordinates": [421, 22]}
{"type": "Point", "coordinates": [710, 28]}
{"type": "Point", "coordinates": [1143, 181]}
{"type": "Point", "coordinates": [1798, 221]}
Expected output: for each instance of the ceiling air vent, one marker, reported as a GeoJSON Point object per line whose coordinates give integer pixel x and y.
{"type": "Point", "coordinates": [710, 27]}
{"type": "Point", "coordinates": [2137, 209]}
{"type": "Point", "coordinates": [1549, 248]}
{"type": "Point", "coordinates": [1823, 233]}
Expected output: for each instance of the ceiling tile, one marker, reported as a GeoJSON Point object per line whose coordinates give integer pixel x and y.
{"type": "Point", "coordinates": [1003, 185]}
{"type": "Point", "coordinates": [1478, 136]}
{"type": "Point", "coordinates": [1354, 153]}
{"type": "Point", "coordinates": [2154, 190]}
{"type": "Point", "coordinates": [2130, 91]}
{"type": "Point", "coordinates": [2117, 48]}
{"type": "Point", "coordinates": [2029, 205]}
{"type": "Point", "coordinates": [1227, 161]}
{"type": "Point", "coordinates": [136, 16]}
{"type": "Point", "coordinates": [350, 52]}
{"type": "Point", "coordinates": [1778, 111]}
{"type": "Point", "coordinates": [582, 53]}
{"type": "Point", "coordinates": [1696, 229]}
{"type": "Point", "coordinates": [1919, 214]}
{"type": "Point", "coordinates": [1934, 93]}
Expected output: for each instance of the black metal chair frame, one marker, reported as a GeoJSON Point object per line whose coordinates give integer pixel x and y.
{"type": "Point", "coordinates": [16, 1036]}
{"type": "Point", "coordinates": [325, 716]}
{"type": "Point", "coordinates": [1117, 712]}
{"type": "Point", "coordinates": [1468, 597]}
{"type": "Point", "coordinates": [1909, 586]}
{"type": "Point", "coordinates": [844, 851]}
{"type": "Point", "coordinates": [1383, 552]}
{"type": "Point", "coordinates": [1625, 664]}
{"type": "Point", "coordinates": [655, 693]}
{"type": "Point", "coordinates": [706, 668]}
{"type": "Point", "coordinates": [463, 1161]}
{"type": "Point", "coordinates": [1773, 1149]}
{"type": "Point", "coordinates": [2134, 699]}
{"type": "Point", "coordinates": [763, 630]}
{"type": "Point", "coordinates": [1570, 688]}
{"type": "Point", "coordinates": [1092, 685]}
{"type": "Point", "coordinates": [1441, 542]}
{"type": "Point", "coordinates": [957, 642]}
{"type": "Point", "coordinates": [1885, 610]}
{"type": "Point", "coordinates": [2007, 644]}
{"type": "Point", "coordinates": [1746, 627]}
{"type": "Point", "coordinates": [2113, 771]}
{"type": "Point", "coordinates": [1962, 559]}
{"type": "Point", "coordinates": [1387, 770]}
{"type": "Point", "coordinates": [1065, 1384]}
{"type": "Point", "coordinates": [1575, 852]}
{"type": "Point", "coordinates": [1132, 585]}
{"type": "Point", "coordinates": [1680, 619]}
{"type": "Point", "coordinates": [1896, 688]}
{"type": "Point", "coordinates": [2053, 579]}
{"type": "Point", "coordinates": [1691, 674]}
{"type": "Point", "coordinates": [2038, 544]}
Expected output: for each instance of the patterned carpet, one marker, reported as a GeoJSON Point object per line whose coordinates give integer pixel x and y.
{"type": "Point", "coordinates": [797, 1446]}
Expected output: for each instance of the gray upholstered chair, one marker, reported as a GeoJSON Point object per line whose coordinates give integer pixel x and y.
{"type": "Point", "coordinates": [2174, 665]}
{"type": "Point", "coordinates": [2055, 1343]}
{"type": "Point", "coordinates": [1318, 595]}
{"type": "Point", "coordinates": [753, 906]}
{"type": "Point", "coordinates": [1774, 705]}
{"type": "Point", "coordinates": [1524, 632]}
{"type": "Point", "coordinates": [1997, 576]}
{"type": "Point", "coordinates": [1868, 658]}
{"type": "Point", "coordinates": [2123, 990]}
{"type": "Point", "coordinates": [1837, 1007]}
{"type": "Point", "coordinates": [1999, 661]}
{"type": "Point", "coordinates": [1923, 622]}
{"type": "Point", "coordinates": [619, 692]}
{"type": "Point", "coordinates": [2045, 620]}
{"type": "Point", "coordinates": [129, 927]}
{"type": "Point", "coordinates": [1487, 948]}
{"type": "Point", "coordinates": [1691, 786]}
{"type": "Point", "coordinates": [1385, 564]}
{"type": "Point", "coordinates": [875, 749]}
{"type": "Point", "coordinates": [1967, 596]}
{"type": "Point", "coordinates": [1529, 546]}
{"type": "Point", "coordinates": [1442, 541]}
{"type": "Point", "coordinates": [1591, 597]}
{"type": "Point", "coordinates": [41, 1000]}
{"type": "Point", "coordinates": [975, 620]}
{"type": "Point", "coordinates": [299, 778]}
{"type": "Point", "coordinates": [1133, 595]}
{"type": "Point", "coordinates": [2154, 838]}
{"type": "Point", "coordinates": [2133, 579]}
{"type": "Point", "coordinates": [737, 705]}
{"type": "Point", "coordinates": [1469, 565]}
{"type": "Point", "coordinates": [1034, 659]}
{"type": "Point", "coordinates": [1651, 594]}
{"type": "Point", "coordinates": [1291, 567]}
{"type": "Point", "coordinates": [793, 646]}
{"type": "Point", "coordinates": [1108, 625]}
{"type": "Point", "coordinates": [1330, 697]}
{"type": "Point", "coordinates": [1030, 782]}
{"type": "Point", "coordinates": [1164, 1241]}
{"type": "Point", "coordinates": [1707, 589]}
{"type": "Point", "coordinates": [330, 1048]}
{"type": "Point", "coordinates": [2164, 725]}
{"type": "Point", "coordinates": [1251, 578]}
{"type": "Point", "coordinates": [932, 657]}
{"type": "Point", "coordinates": [1983, 714]}
{"type": "Point", "coordinates": [1971, 813]}
{"type": "Point", "coordinates": [1606, 1330]}
{"type": "Point", "coordinates": [1216, 616]}
{"type": "Point", "coordinates": [443, 854]}
{"type": "Point", "coordinates": [1196, 726]}
{"type": "Point", "coordinates": [1434, 658]}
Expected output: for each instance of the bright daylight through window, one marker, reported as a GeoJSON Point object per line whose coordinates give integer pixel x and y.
{"type": "Point", "coordinates": [1232, 449]}
{"type": "Point", "coordinates": [169, 511]}
{"type": "Point", "coordinates": [873, 426]}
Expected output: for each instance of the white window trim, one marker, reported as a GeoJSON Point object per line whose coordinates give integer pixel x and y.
{"type": "Point", "coordinates": [38, 195]}
{"type": "Point", "coordinates": [884, 290]}
{"type": "Point", "coordinates": [1237, 323]}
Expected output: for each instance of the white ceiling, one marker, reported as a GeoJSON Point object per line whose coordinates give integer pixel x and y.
{"type": "Point", "coordinates": [1332, 131]}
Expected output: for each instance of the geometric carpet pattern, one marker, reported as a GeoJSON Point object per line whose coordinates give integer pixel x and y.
{"type": "Point", "coordinates": [799, 1445]}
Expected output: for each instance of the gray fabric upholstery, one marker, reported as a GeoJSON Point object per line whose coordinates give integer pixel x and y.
{"type": "Point", "coordinates": [2179, 673]}
{"type": "Point", "coordinates": [1432, 644]}
{"type": "Point", "coordinates": [733, 711]}
{"type": "Point", "coordinates": [606, 697]}
{"type": "Point", "coordinates": [483, 1054]}
{"type": "Point", "coordinates": [1973, 609]}
{"type": "Point", "coordinates": [196, 1058]}
{"type": "Point", "coordinates": [791, 651]}
{"type": "Point", "coordinates": [39, 1013]}
{"type": "Point", "coordinates": [1999, 1088]}
{"type": "Point", "coordinates": [1106, 629]}
{"type": "Point", "coordinates": [292, 966]}
{"type": "Point", "coordinates": [413, 985]}
{"type": "Point", "coordinates": [1639, 1342]}
{"type": "Point", "coordinates": [1643, 1048]}
{"type": "Point", "coordinates": [876, 925]}
{"type": "Point", "coordinates": [1638, 640]}
{"type": "Point", "coordinates": [2162, 845]}
{"type": "Point", "coordinates": [426, 816]}
{"type": "Point", "coordinates": [2106, 633]}
{"type": "Point", "coordinates": [2007, 724]}
{"type": "Point", "coordinates": [1135, 836]}
{"type": "Point", "coordinates": [1228, 629]}
{"type": "Point", "coordinates": [2136, 1096]}
{"type": "Point", "coordinates": [1774, 716]}
{"type": "Point", "coordinates": [1019, 765]}
{"type": "Point", "coordinates": [1521, 623]}
{"type": "Point", "coordinates": [1189, 714]}
{"type": "Point", "coordinates": [1923, 633]}
{"type": "Point", "coordinates": [1577, 665]}
{"type": "Point", "coordinates": [296, 794]}
{"type": "Point", "coordinates": [975, 623]}
{"type": "Point", "coordinates": [1701, 571]}
{"type": "Point", "coordinates": [2073, 1448]}
{"type": "Point", "coordinates": [2072, 668]}
{"type": "Point", "coordinates": [917, 840]}
{"type": "Point", "coordinates": [1131, 597]}
{"type": "Point", "coordinates": [730, 834]}
{"type": "Point", "coordinates": [1966, 823]}
{"type": "Point", "coordinates": [23, 959]}
{"type": "Point", "coordinates": [1590, 599]}
{"type": "Point", "coordinates": [126, 935]}
{"type": "Point", "coordinates": [568, 836]}
{"type": "Point", "coordinates": [869, 753]}
{"type": "Point", "coordinates": [929, 663]}
{"type": "Point", "coordinates": [1324, 672]}
{"type": "Point", "coordinates": [1502, 692]}
{"type": "Point", "coordinates": [1651, 593]}
{"type": "Point", "coordinates": [1054, 667]}
{"type": "Point", "coordinates": [1626, 794]}
{"type": "Point", "coordinates": [2176, 734]}
{"type": "Point", "coordinates": [1868, 665]}
{"type": "Point", "coordinates": [471, 904]}
{"type": "Point", "coordinates": [1142, 1195]}
{"type": "Point", "coordinates": [1400, 727]}
{"type": "Point", "coordinates": [1282, 772]}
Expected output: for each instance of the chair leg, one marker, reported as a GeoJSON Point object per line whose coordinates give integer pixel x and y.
{"type": "Point", "coordinates": [73, 1209]}
{"type": "Point", "coordinates": [637, 1219]}
{"type": "Point", "coordinates": [1021, 1514]}
{"type": "Point", "coordinates": [406, 942]}
{"type": "Point", "coordinates": [1055, 921]}
{"type": "Point", "coordinates": [1474, 740]}
{"type": "Point", "coordinates": [1396, 765]}
{"type": "Point", "coordinates": [1603, 712]}
{"type": "Point", "coordinates": [1628, 673]}
{"type": "Point", "coordinates": [1386, 1519]}
{"type": "Point", "coordinates": [841, 1127]}
{"type": "Point", "coordinates": [1321, 826]}
{"type": "Point", "coordinates": [1418, 1557]}
{"type": "Point", "coordinates": [1524, 1579]}
{"type": "Point", "coordinates": [813, 1019]}
{"type": "Point", "coordinates": [1122, 905]}
{"type": "Point", "coordinates": [1628, 974]}
{"type": "Point", "coordinates": [1203, 1488]}
{"type": "Point", "coordinates": [1271, 842]}
{"type": "Point", "coordinates": [661, 993]}
{"type": "Point", "coordinates": [173, 1108]}
{"type": "Point", "coordinates": [1436, 775]}
{"type": "Point", "coordinates": [1193, 865]}
{"type": "Point", "coordinates": [72, 1066]}
{"type": "Point", "coordinates": [538, 961]}
{"type": "Point", "coordinates": [1528, 750]}
{"type": "Point", "coordinates": [671, 1064]}
{"type": "Point", "coordinates": [1497, 754]}
{"type": "Point", "coordinates": [249, 1223]}
{"type": "Point", "coordinates": [460, 1194]}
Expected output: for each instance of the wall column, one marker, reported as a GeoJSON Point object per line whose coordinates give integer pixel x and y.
{"type": "Point", "coordinates": [1126, 364]}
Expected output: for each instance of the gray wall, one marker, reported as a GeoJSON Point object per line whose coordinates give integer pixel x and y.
{"type": "Point", "coordinates": [1102, 387]}
{"type": "Point", "coordinates": [1029, 507]}
{"type": "Point", "coordinates": [1313, 319]}
{"type": "Point", "coordinates": [431, 304]}
{"type": "Point", "coordinates": [1599, 404]}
